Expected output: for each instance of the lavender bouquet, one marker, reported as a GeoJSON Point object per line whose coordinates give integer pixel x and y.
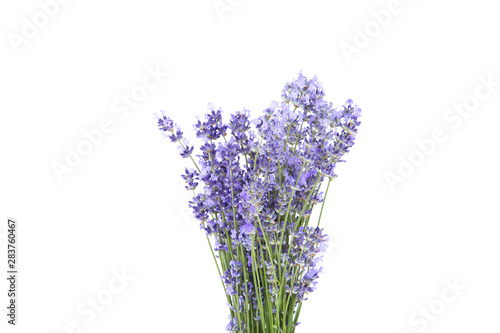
{"type": "Point", "coordinates": [255, 184]}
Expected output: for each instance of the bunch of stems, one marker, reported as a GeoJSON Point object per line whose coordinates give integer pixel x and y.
{"type": "Point", "coordinates": [274, 316]}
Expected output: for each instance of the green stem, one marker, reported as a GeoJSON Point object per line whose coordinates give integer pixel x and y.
{"type": "Point", "coordinates": [191, 157]}
{"type": "Point", "coordinates": [324, 199]}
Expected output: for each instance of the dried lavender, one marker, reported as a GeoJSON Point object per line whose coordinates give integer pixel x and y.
{"type": "Point", "coordinates": [255, 184]}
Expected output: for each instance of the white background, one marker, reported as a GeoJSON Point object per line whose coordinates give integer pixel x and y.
{"type": "Point", "coordinates": [122, 206]}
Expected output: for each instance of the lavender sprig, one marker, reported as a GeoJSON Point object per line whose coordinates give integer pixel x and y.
{"type": "Point", "coordinates": [254, 191]}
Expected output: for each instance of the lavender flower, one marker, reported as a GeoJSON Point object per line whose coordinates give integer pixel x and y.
{"type": "Point", "coordinates": [254, 191]}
